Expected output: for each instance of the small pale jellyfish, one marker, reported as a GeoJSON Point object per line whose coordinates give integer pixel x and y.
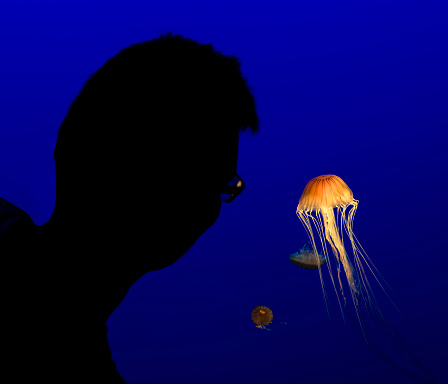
{"type": "Point", "coordinates": [306, 258]}
{"type": "Point", "coordinates": [327, 204]}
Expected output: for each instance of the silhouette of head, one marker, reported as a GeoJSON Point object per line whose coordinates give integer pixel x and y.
{"type": "Point", "coordinates": [150, 141]}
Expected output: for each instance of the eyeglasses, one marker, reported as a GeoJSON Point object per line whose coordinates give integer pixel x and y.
{"type": "Point", "coordinates": [232, 190]}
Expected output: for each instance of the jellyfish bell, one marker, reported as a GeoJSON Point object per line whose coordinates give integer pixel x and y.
{"type": "Point", "coordinates": [307, 259]}
{"type": "Point", "coordinates": [261, 316]}
{"type": "Point", "coordinates": [326, 191]}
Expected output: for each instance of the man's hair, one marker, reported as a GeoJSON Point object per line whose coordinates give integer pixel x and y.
{"type": "Point", "coordinates": [165, 97]}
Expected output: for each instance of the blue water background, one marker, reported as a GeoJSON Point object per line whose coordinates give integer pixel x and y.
{"type": "Point", "coordinates": [355, 89]}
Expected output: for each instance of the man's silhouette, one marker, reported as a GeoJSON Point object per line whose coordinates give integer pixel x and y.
{"type": "Point", "coordinates": [143, 160]}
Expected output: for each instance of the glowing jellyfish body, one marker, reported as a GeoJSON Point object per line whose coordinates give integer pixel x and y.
{"type": "Point", "coordinates": [261, 316]}
{"type": "Point", "coordinates": [328, 206]}
{"type": "Point", "coordinates": [307, 259]}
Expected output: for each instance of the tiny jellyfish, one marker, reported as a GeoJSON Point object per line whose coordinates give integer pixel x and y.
{"type": "Point", "coordinates": [261, 316]}
{"type": "Point", "coordinates": [306, 258]}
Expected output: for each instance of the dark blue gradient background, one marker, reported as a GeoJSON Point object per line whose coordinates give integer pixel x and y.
{"type": "Point", "coordinates": [352, 88]}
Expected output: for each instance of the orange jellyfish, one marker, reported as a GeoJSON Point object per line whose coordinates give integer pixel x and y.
{"type": "Point", "coordinates": [261, 316]}
{"type": "Point", "coordinates": [327, 204]}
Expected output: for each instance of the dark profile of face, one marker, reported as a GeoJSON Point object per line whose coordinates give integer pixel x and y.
{"type": "Point", "coordinates": [150, 144]}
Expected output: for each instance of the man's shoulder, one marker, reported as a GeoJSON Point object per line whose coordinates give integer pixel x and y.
{"type": "Point", "coordinates": [13, 219]}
